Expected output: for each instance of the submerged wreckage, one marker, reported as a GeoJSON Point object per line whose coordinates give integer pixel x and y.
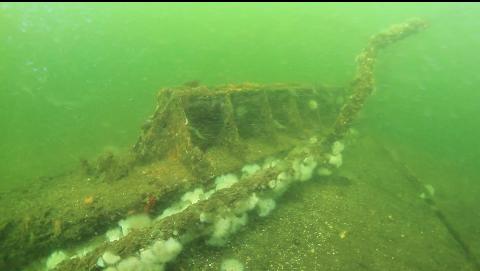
{"type": "Point", "coordinates": [206, 159]}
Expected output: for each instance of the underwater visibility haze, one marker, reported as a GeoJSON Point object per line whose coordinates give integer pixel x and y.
{"type": "Point", "coordinates": [239, 136]}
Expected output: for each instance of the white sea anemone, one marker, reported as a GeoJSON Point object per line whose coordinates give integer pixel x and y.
{"type": "Point", "coordinates": [281, 183]}
{"type": "Point", "coordinates": [130, 264]}
{"type": "Point", "coordinates": [337, 147]}
{"type": "Point", "coordinates": [265, 206]}
{"type": "Point", "coordinates": [249, 170]}
{"type": "Point", "coordinates": [247, 204]}
{"type": "Point", "coordinates": [324, 171]}
{"type": "Point", "coordinates": [55, 258]}
{"type": "Point", "coordinates": [304, 169]}
{"type": "Point", "coordinates": [225, 181]}
{"type": "Point", "coordinates": [134, 222]}
{"type": "Point", "coordinates": [335, 160]}
{"type": "Point", "coordinates": [224, 227]}
{"type": "Point", "coordinates": [167, 251]}
{"type": "Point", "coordinates": [148, 257]}
{"type": "Point", "coordinates": [114, 234]}
{"type": "Point", "coordinates": [110, 258]}
{"type": "Point", "coordinates": [231, 265]}
{"type": "Point", "coordinates": [270, 163]}
{"type": "Point", "coordinates": [194, 196]}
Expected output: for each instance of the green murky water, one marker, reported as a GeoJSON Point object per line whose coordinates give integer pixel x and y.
{"type": "Point", "coordinates": [77, 79]}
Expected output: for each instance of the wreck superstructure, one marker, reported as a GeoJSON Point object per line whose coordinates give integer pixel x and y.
{"type": "Point", "coordinates": [196, 135]}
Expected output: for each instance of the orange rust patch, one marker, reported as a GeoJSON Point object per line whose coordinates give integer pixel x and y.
{"type": "Point", "coordinates": [88, 200]}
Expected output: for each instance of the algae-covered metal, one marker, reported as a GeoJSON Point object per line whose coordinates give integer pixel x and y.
{"type": "Point", "coordinates": [195, 134]}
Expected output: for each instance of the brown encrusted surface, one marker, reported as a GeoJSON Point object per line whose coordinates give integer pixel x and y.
{"type": "Point", "coordinates": [65, 210]}
{"type": "Point", "coordinates": [186, 222]}
{"type": "Point", "coordinates": [170, 136]}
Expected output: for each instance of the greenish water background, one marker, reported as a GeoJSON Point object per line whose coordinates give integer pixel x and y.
{"type": "Point", "coordinates": [79, 78]}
